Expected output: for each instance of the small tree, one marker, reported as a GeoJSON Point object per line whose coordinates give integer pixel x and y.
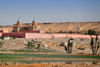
{"type": "Point", "coordinates": [91, 32]}
{"type": "Point", "coordinates": [96, 38]}
{"type": "Point", "coordinates": [94, 46]}
{"type": "Point", "coordinates": [29, 44]}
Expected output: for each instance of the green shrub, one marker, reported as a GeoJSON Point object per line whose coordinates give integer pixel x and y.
{"type": "Point", "coordinates": [30, 44]}
{"type": "Point", "coordinates": [38, 46]}
{"type": "Point", "coordinates": [1, 44]}
{"type": "Point", "coordinates": [14, 37]}
{"type": "Point", "coordinates": [2, 37]}
{"type": "Point", "coordinates": [23, 50]}
{"type": "Point", "coordinates": [91, 32]}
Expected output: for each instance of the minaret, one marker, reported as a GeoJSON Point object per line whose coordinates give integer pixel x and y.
{"type": "Point", "coordinates": [18, 25]}
{"type": "Point", "coordinates": [34, 25]}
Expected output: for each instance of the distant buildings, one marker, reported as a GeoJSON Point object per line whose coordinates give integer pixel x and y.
{"type": "Point", "coordinates": [24, 31]}
{"type": "Point", "coordinates": [19, 27]}
{"type": "Point", "coordinates": [78, 28]}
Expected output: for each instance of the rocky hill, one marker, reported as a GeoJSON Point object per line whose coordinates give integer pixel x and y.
{"type": "Point", "coordinates": [55, 27]}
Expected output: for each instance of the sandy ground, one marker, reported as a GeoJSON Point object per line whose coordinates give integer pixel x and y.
{"type": "Point", "coordinates": [61, 50]}
{"type": "Point", "coordinates": [78, 41]}
{"type": "Point", "coordinates": [53, 65]}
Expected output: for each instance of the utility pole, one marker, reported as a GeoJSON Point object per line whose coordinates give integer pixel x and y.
{"type": "Point", "coordinates": [67, 32]}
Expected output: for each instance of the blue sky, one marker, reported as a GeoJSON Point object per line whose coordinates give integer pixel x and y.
{"type": "Point", "coordinates": [49, 11]}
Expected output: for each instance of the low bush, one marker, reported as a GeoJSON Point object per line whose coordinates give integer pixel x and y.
{"type": "Point", "coordinates": [38, 46]}
{"type": "Point", "coordinates": [1, 44]}
{"type": "Point", "coordinates": [23, 50]}
{"type": "Point", "coordinates": [30, 44]}
{"type": "Point", "coordinates": [14, 37]}
{"type": "Point", "coordinates": [2, 37]}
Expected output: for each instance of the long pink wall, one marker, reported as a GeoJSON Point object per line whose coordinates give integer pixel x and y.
{"type": "Point", "coordinates": [81, 36]}
{"type": "Point", "coordinates": [74, 36]}
{"type": "Point", "coordinates": [37, 35]}
{"type": "Point", "coordinates": [59, 35]}
{"type": "Point", "coordinates": [14, 34]}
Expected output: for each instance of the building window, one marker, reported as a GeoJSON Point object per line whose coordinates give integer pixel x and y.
{"type": "Point", "coordinates": [25, 28]}
{"type": "Point", "coordinates": [12, 30]}
{"type": "Point", "coordinates": [35, 27]}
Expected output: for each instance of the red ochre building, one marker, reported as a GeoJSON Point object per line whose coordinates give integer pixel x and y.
{"type": "Point", "coordinates": [19, 27]}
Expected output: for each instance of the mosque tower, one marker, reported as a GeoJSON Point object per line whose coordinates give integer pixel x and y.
{"type": "Point", "coordinates": [18, 25]}
{"type": "Point", "coordinates": [34, 25]}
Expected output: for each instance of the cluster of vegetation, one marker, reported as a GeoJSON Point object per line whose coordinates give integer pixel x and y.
{"type": "Point", "coordinates": [14, 37]}
{"type": "Point", "coordinates": [94, 46]}
{"type": "Point", "coordinates": [30, 44]}
{"type": "Point", "coordinates": [2, 37]}
{"type": "Point", "coordinates": [23, 50]}
{"type": "Point", "coordinates": [91, 32]}
{"type": "Point", "coordinates": [1, 43]}
{"type": "Point", "coordinates": [5, 56]}
{"type": "Point", "coordinates": [20, 56]}
{"type": "Point", "coordinates": [38, 46]}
